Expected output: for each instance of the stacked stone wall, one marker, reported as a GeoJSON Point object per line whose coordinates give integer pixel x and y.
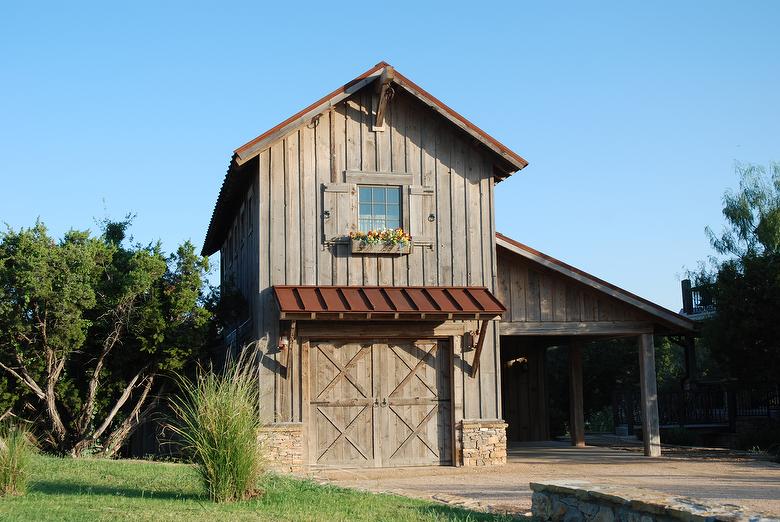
{"type": "Point", "coordinates": [482, 442]}
{"type": "Point", "coordinates": [582, 502]}
{"type": "Point", "coordinates": [283, 446]}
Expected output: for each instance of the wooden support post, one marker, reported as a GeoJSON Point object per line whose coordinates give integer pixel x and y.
{"type": "Point", "coordinates": [478, 351]}
{"type": "Point", "coordinates": [651, 435]}
{"type": "Point", "coordinates": [576, 407]}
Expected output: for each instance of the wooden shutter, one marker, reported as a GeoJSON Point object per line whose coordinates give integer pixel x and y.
{"type": "Point", "coordinates": [339, 210]}
{"type": "Point", "coordinates": [420, 207]}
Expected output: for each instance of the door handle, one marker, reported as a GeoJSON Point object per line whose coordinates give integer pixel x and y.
{"type": "Point", "coordinates": [384, 402]}
{"type": "Point", "coordinates": [376, 402]}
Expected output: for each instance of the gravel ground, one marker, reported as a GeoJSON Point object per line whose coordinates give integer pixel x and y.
{"type": "Point", "coordinates": [702, 473]}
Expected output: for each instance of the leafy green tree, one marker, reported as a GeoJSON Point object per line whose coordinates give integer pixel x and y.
{"type": "Point", "coordinates": [89, 325]}
{"type": "Point", "coordinates": [744, 336]}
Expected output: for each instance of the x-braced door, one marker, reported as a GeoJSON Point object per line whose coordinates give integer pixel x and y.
{"type": "Point", "coordinates": [415, 404]}
{"type": "Point", "coordinates": [380, 404]}
{"type": "Point", "coordinates": [342, 416]}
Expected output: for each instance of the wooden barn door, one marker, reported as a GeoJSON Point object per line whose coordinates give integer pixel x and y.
{"type": "Point", "coordinates": [416, 405]}
{"type": "Point", "coordinates": [380, 404]}
{"type": "Point", "coordinates": [342, 405]}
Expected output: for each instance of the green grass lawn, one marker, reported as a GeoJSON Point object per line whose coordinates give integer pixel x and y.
{"type": "Point", "coordinates": [92, 489]}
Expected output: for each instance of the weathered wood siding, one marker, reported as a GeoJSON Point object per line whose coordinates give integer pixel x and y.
{"type": "Point", "coordinates": [533, 293]}
{"type": "Point", "coordinates": [238, 259]}
{"type": "Point", "coordinates": [289, 236]}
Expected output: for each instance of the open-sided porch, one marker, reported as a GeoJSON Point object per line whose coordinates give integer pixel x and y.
{"type": "Point", "coordinates": [550, 303]}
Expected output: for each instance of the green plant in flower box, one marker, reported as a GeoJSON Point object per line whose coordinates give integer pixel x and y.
{"type": "Point", "coordinates": [385, 236]}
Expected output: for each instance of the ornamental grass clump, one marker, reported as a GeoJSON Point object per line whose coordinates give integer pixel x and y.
{"type": "Point", "coordinates": [217, 421]}
{"type": "Point", "coordinates": [16, 451]}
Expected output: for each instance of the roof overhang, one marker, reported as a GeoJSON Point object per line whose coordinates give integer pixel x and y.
{"type": "Point", "coordinates": [426, 303]}
{"type": "Point", "coordinates": [675, 321]}
{"type": "Point", "coordinates": [513, 161]}
{"type": "Point", "coordinates": [507, 161]}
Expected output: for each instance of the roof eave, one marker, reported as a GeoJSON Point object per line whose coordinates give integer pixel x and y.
{"type": "Point", "coordinates": [666, 316]}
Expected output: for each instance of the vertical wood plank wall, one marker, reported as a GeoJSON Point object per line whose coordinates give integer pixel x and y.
{"type": "Point", "coordinates": [288, 227]}
{"type": "Point", "coordinates": [533, 293]}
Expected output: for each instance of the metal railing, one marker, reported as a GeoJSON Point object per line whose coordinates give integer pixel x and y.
{"type": "Point", "coordinates": [701, 407]}
{"type": "Point", "coordinates": [696, 299]}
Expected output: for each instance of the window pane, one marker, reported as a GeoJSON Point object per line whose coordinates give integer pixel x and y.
{"type": "Point", "coordinates": [378, 211]}
{"type": "Point", "coordinates": [379, 194]}
{"type": "Point", "coordinates": [365, 225]}
{"type": "Point", "coordinates": [392, 212]}
{"type": "Point", "coordinates": [365, 210]}
{"type": "Point", "coordinates": [365, 194]}
{"type": "Point", "coordinates": [393, 194]}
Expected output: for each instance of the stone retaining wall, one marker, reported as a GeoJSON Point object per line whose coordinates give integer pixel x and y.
{"type": "Point", "coordinates": [580, 501]}
{"type": "Point", "coordinates": [283, 444]}
{"type": "Point", "coordinates": [481, 443]}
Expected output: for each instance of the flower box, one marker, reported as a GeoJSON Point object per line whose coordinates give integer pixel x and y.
{"type": "Point", "coordinates": [363, 247]}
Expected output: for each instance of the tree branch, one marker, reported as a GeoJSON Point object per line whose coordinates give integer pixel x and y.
{"type": "Point", "coordinates": [119, 435]}
{"type": "Point", "coordinates": [121, 315]}
{"type": "Point", "coordinates": [119, 403]}
{"type": "Point", "coordinates": [26, 379]}
{"type": "Point", "coordinates": [51, 398]}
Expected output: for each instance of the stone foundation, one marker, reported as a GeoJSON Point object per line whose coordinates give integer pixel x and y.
{"type": "Point", "coordinates": [582, 502]}
{"type": "Point", "coordinates": [283, 444]}
{"type": "Point", "coordinates": [481, 443]}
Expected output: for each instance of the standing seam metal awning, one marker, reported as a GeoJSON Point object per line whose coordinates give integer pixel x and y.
{"type": "Point", "coordinates": [380, 302]}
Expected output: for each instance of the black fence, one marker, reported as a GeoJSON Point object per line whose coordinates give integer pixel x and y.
{"type": "Point", "coordinates": [698, 408]}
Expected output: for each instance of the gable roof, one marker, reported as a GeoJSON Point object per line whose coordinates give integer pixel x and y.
{"type": "Point", "coordinates": [252, 148]}
{"type": "Point", "coordinates": [663, 315]}
{"type": "Point", "coordinates": [508, 161]}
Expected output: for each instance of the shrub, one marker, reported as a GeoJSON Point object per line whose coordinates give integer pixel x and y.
{"type": "Point", "coordinates": [679, 436]}
{"type": "Point", "coordinates": [217, 420]}
{"type": "Point", "coordinates": [600, 421]}
{"type": "Point", "coordinates": [16, 449]}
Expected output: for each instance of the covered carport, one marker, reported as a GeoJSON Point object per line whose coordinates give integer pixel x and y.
{"type": "Point", "coordinates": [551, 303]}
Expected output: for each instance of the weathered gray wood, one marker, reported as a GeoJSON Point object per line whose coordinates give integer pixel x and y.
{"type": "Point", "coordinates": [599, 328]}
{"type": "Point", "coordinates": [458, 368]}
{"type": "Point", "coordinates": [576, 402]}
{"type": "Point", "coordinates": [651, 435]}
{"type": "Point", "coordinates": [322, 166]}
{"type": "Point", "coordinates": [664, 315]}
{"type": "Point", "coordinates": [292, 196]}
{"type": "Point", "coordinates": [302, 175]}
{"type": "Point", "coordinates": [304, 118]}
{"type": "Point", "coordinates": [309, 196]}
{"type": "Point", "coordinates": [371, 330]}
{"type": "Point", "coordinates": [383, 86]}
{"type": "Point", "coordinates": [367, 177]}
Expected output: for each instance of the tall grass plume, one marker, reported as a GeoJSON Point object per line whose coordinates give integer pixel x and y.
{"type": "Point", "coordinates": [16, 450]}
{"type": "Point", "coordinates": [217, 419]}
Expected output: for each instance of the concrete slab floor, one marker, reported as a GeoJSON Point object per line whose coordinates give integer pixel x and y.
{"type": "Point", "coordinates": [718, 476]}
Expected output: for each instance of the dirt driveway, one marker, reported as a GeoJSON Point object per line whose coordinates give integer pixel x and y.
{"type": "Point", "coordinates": [711, 475]}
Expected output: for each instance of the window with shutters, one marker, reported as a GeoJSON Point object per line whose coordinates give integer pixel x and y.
{"type": "Point", "coordinates": [372, 200]}
{"type": "Point", "coordinates": [379, 207]}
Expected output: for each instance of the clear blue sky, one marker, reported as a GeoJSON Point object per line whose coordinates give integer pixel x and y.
{"type": "Point", "coordinates": [631, 114]}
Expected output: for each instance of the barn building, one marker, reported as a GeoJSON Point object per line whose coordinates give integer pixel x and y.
{"type": "Point", "coordinates": [401, 350]}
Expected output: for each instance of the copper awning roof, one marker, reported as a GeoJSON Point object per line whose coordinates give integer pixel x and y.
{"type": "Point", "coordinates": [382, 302]}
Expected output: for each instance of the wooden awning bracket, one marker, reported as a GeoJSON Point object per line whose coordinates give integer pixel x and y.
{"type": "Point", "coordinates": [289, 348]}
{"type": "Point", "coordinates": [480, 344]}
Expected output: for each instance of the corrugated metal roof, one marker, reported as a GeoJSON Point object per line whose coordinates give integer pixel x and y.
{"type": "Point", "coordinates": [381, 302]}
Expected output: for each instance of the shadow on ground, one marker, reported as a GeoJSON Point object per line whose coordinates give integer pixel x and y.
{"type": "Point", "coordinates": [56, 487]}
